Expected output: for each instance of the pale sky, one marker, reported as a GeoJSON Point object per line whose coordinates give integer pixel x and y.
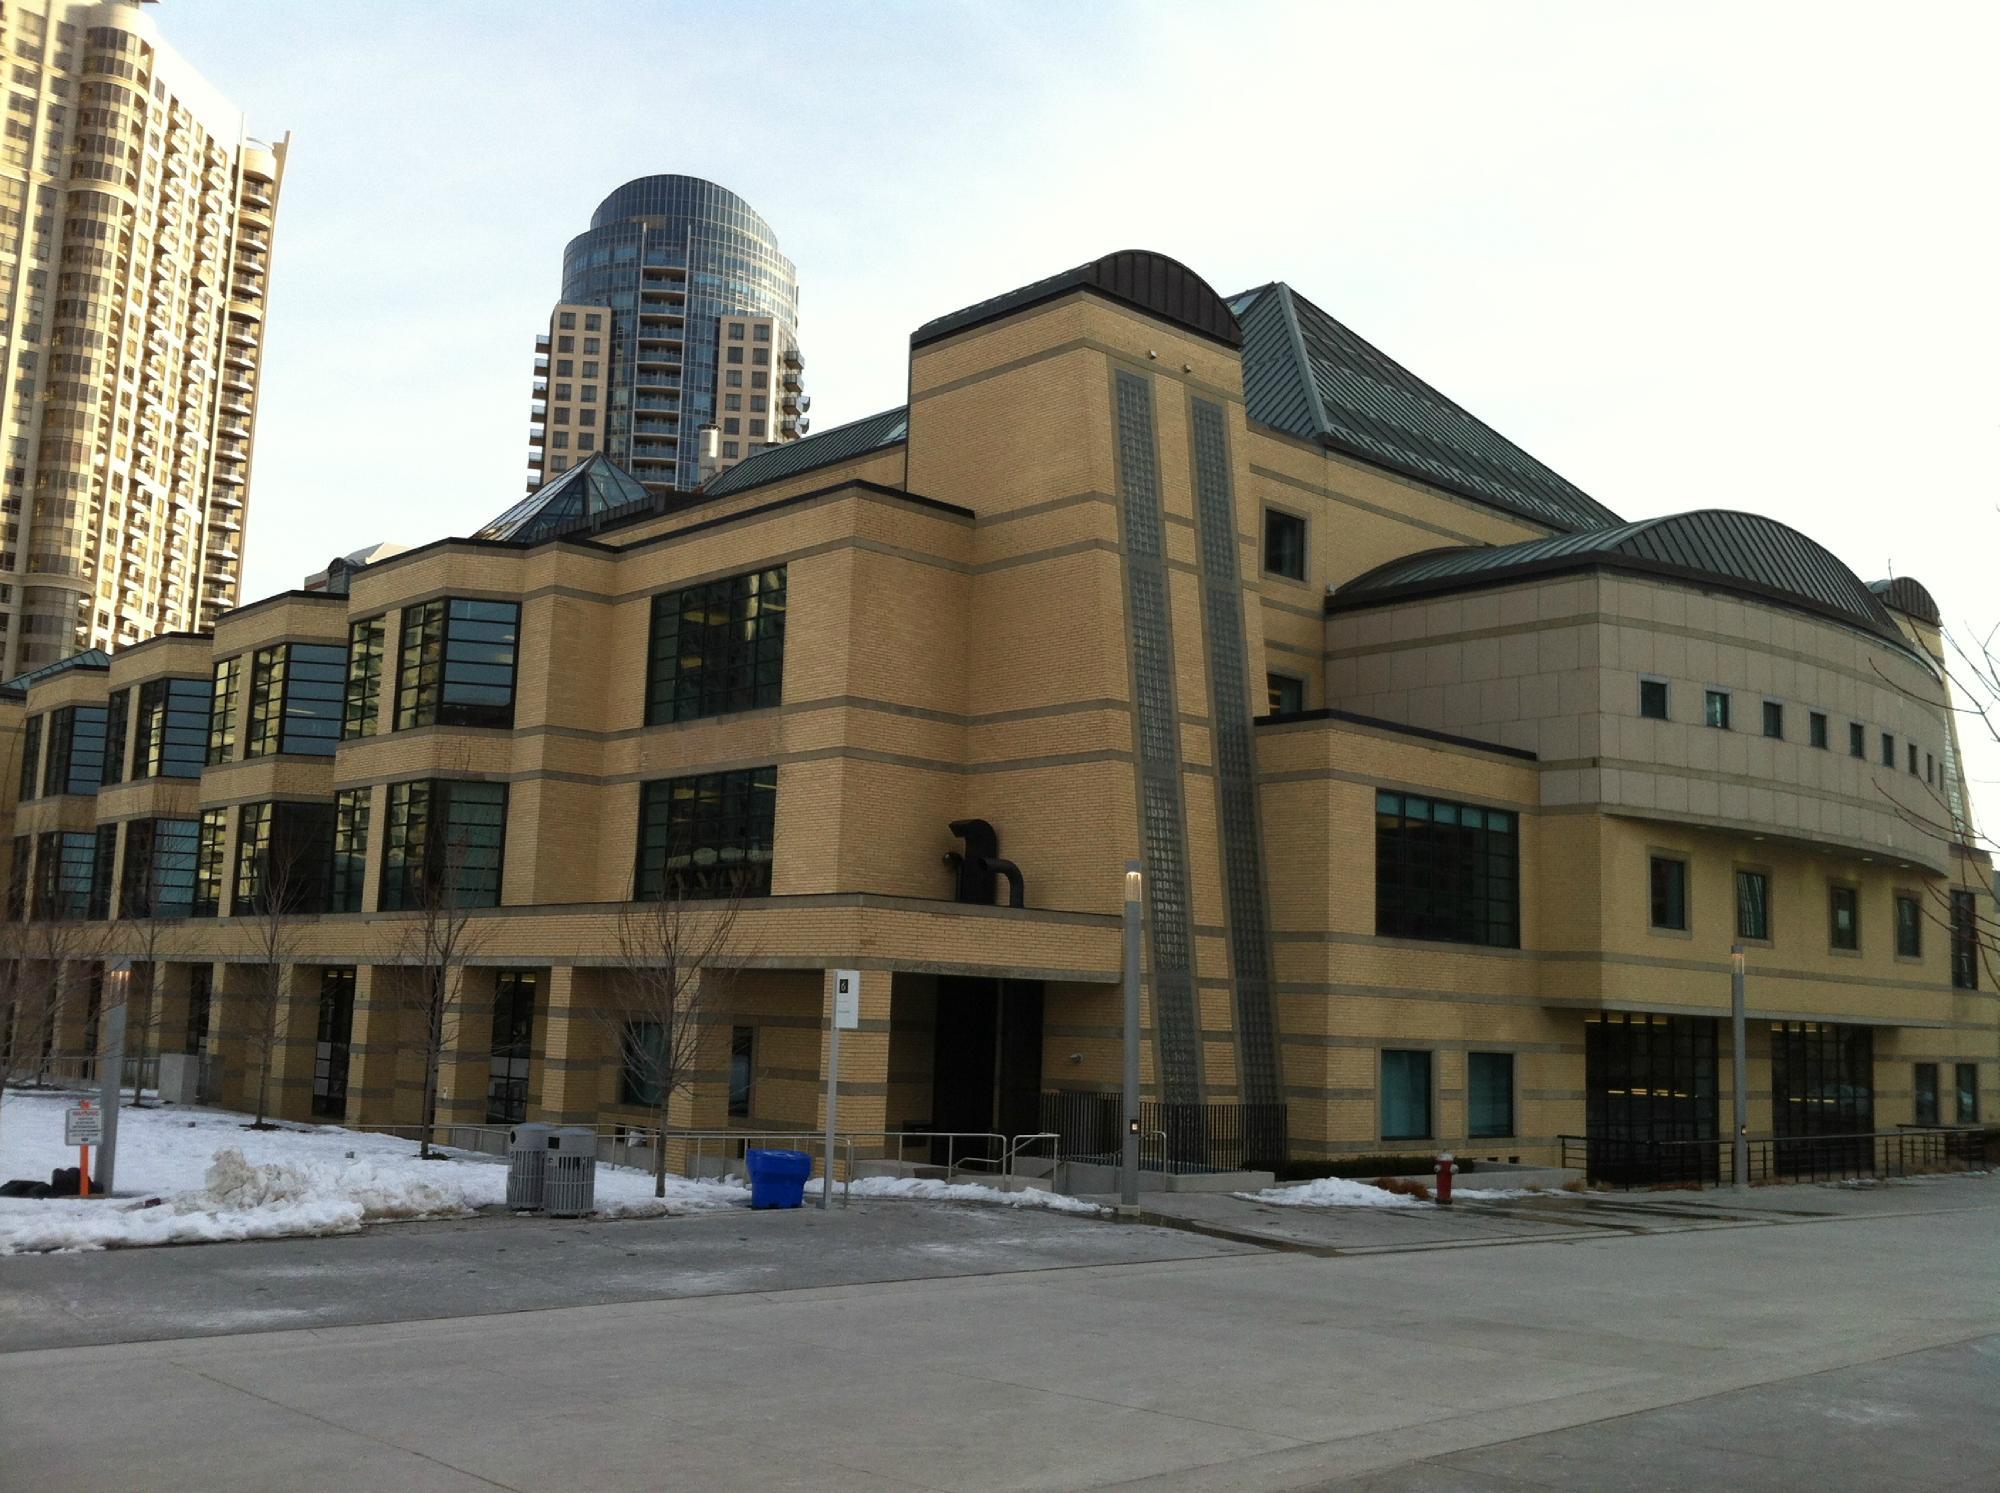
{"type": "Point", "coordinates": [1726, 255]}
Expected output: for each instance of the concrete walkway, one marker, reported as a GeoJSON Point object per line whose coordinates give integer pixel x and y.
{"type": "Point", "coordinates": [1441, 1367]}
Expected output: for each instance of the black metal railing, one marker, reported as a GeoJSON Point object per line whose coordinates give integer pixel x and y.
{"type": "Point", "coordinates": [1906, 1152]}
{"type": "Point", "coordinates": [1176, 1138]}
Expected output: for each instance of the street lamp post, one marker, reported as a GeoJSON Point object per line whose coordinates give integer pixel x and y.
{"type": "Point", "coordinates": [1738, 1064]}
{"type": "Point", "coordinates": [1128, 1161]}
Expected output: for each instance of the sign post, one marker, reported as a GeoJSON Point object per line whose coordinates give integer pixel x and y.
{"type": "Point", "coordinates": [846, 1017]}
{"type": "Point", "coordinates": [111, 1066]}
{"type": "Point", "coordinates": [83, 1127]}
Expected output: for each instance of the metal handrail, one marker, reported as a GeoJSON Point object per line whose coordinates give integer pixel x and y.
{"type": "Point", "coordinates": [1021, 1141]}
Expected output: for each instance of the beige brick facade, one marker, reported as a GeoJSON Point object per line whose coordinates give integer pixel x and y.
{"type": "Point", "coordinates": [959, 645]}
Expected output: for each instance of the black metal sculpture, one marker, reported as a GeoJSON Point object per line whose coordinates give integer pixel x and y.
{"type": "Point", "coordinates": [981, 865]}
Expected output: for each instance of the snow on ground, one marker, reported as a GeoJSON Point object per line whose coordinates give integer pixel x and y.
{"type": "Point", "coordinates": [1345, 1192]}
{"type": "Point", "coordinates": [933, 1189]}
{"type": "Point", "coordinates": [216, 1180]}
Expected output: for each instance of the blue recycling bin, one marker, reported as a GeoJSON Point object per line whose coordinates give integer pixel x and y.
{"type": "Point", "coordinates": [777, 1178]}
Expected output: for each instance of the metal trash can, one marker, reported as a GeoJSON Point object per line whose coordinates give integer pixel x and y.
{"type": "Point", "coordinates": [569, 1183]}
{"type": "Point", "coordinates": [527, 1159]}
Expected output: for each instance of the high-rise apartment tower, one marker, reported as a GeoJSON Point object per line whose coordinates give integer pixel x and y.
{"type": "Point", "coordinates": [677, 312]}
{"type": "Point", "coordinates": [135, 248]}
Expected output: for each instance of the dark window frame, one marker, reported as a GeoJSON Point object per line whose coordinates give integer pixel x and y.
{"type": "Point", "coordinates": [1425, 1066]}
{"type": "Point", "coordinates": [416, 845]}
{"type": "Point", "coordinates": [1661, 894]}
{"type": "Point", "coordinates": [171, 727]}
{"type": "Point", "coordinates": [1964, 939]}
{"type": "Point", "coordinates": [690, 820]}
{"type": "Point", "coordinates": [1816, 729]}
{"type": "Point", "coordinates": [225, 684]}
{"type": "Point", "coordinates": [297, 700]}
{"type": "Point", "coordinates": [1287, 548]}
{"type": "Point", "coordinates": [74, 763]}
{"type": "Point", "coordinates": [1839, 895]}
{"type": "Point", "coordinates": [1446, 872]}
{"type": "Point", "coordinates": [438, 658]}
{"type": "Point", "coordinates": [732, 631]}
{"type": "Point", "coordinates": [1492, 1062]}
{"type": "Point", "coordinates": [31, 759]}
{"type": "Point", "coordinates": [1753, 914]}
{"type": "Point", "coordinates": [1655, 699]}
{"type": "Point", "coordinates": [117, 729]}
{"type": "Point", "coordinates": [1278, 686]}
{"type": "Point", "coordinates": [361, 700]}
{"type": "Point", "coordinates": [1715, 709]}
{"type": "Point", "coordinates": [1924, 1094]}
{"type": "Point", "coordinates": [1965, 1079]}
{"type": "Point", "coordinates": [1857, 741]}
{"type": "Point", "coordinates": [742, 1070]}
{"type": "Point", "coordinates": [1907, 919]}
{"type": "Point", "coordinates": [211, 864]}
{"type": "Point", "coordinates": [347, 875]}
{"type": "Point", "coordinates": [1774, 720]}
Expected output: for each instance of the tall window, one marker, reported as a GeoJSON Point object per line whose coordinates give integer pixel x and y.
{"type": "Point", "coordinates": [116, 717]}
{"type": "Point", "coordinates": [158, 876]}
{"type": "Point", "coordinates": [716, 648]}
{"type": "Point", "coordinates": [742, 1046]}
{"type": "Point", "coordinates": [1888, 750]}
{"type": "Point", "coordinates": [362, 707]}
{"type": "Point", "coordinates": [31, 757]}
{"type": "Point", "coordinates": [1446, 871]}
{"type": "Point", "coordinates": [281, 855]}
{"type": "Point", "coordinates": [644, 1045]}
{"type": "Point", "coordinates": [224, 686]}
{"type": "Point", "coordinates": [210, 840]}
{"type": "Point", "coordinates": [456, 667]}
{"type": "Point", "coordinates": [707, 836]}
{"type": "Point", "coordinates": [1669, 885]}
{"type": "Point", "coordinates": [102, 862]}
{"type": "Point", "coordinates": [1857, 740]}
{"type": "Point", "coordinates": [1715, 709]}
{"type": "Point", "coordinates": [1284, 544]}
{"type": "Point", "coordinates": [1822, 1079]}
{"type": "Point", "coordinates": [296, 699]}
{"type": "Point", "coordinates": [1774, 720]}
{"type": "Point", "coordinates": [1489, 1093]}
{"type": "Point", "coordinates": [1924, 1093]}
{"type": "Point", "coordinates": [1968, 1093]}
{"type": "Point", "coordinates": [443, 844]}
{"type": "Point", "coordinates": [201, 995]}
{"type": "Point", "coordinates": [1816, 729]}
{"type": "Point", "coordinates": [1909, 927]}
{"type": "Point", "coordinates": [173, 728]}
{"type": "Point", "coordinates": [1844, 917]}
{"type": "Point", "coordinates": [65, 867]}
{"type": "Point", "coordinates": [1753, 905]}
{"type": "Point", "coordinates": [1964, 941]}
{"type": "Point", "coordinates": [17, 876]}
{"type": "Point", "coordinates": [513, 1046]}
{"type": "Point", "coordinates": [1406, 1095]}
{"type": "Point", "coordinates": [76, 750]}
{"type": "Point", "coordinates": [333, 1041]}
{"type": "Point", "coordinates": [349, 874]}
{"type": "Point", "coordinates": [1653, 699]}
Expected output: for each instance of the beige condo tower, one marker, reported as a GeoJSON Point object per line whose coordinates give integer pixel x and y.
{"type": "Point", "coordinates": [135, 244]}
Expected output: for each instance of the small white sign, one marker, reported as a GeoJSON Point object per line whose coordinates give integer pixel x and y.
{"type": "Point", "coordinates": [846, 999]}
{"type": "Point", "coordinates": [83, 1127]}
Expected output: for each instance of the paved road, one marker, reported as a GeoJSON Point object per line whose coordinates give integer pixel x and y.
{"type": "Point", "coordinates": [1820, 1352]}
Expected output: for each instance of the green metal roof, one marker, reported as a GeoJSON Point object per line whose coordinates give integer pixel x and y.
{"type": "Point", "coordinates": [794, 458]}
{"type": "Point", "coordinates": [1741, 552]}
{"type": "Point", "coordinates": [90, 658]}
{"type": "Point", "coordinates": [1306, 374]}
{"type": "Point", "coordinates": [592, 491]}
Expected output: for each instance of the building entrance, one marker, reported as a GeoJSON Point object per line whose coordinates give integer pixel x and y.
{"type": "Point", "coordinates": [986, 1064]}
{"type": "Point", "coordinates": [1650, 1104]}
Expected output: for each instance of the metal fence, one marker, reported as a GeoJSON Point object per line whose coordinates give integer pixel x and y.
{"type": "Point", "coordinates": [1088, 1126]}
{"type": "Point", "coordinates": [70, 1070]}
{"type": "Point", "coordinates": [1907, 1152]}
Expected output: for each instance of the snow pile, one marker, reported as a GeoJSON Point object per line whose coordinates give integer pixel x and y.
{"type": "Point", "coordinates": [1345, 1192]}
{"type": "Point", "coordinates": [1331, 1192]}
{"type": "Point", "coordinates": [932, 1189]}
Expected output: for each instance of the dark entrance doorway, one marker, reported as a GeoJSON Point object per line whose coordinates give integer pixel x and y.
{"type": "Point", "coordinates": [986, 1062]}
{"type": "Point", "coordinates": [1650, 1106]}
{"type": "Point", "coordinates": [1822, 1098]}
{"type": "Point", "coordinates": [336, 1032]}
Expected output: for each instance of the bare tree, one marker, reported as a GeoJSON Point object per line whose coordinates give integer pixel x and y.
{"type": "Point", "coordinates": [678, 954]}
{"type": "Point", "coordinates": [438, 940]}
{"type": "Point", "coordinates": [276, 914]}
{"type": "Point", "coordinates": [37, 985]}
{"type": "Point", "coordinates": [143, 932]}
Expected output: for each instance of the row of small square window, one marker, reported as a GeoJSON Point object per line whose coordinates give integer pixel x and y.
{"type": "Point", "coordinates": [1717, 713]}
{"type": "Point", "coordinates": [1667, 883]}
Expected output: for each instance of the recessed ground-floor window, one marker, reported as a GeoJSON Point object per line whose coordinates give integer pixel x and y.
{"type": "Point", "coordinates": [1406, 1095]}
{"type": "Point", "coordinates": [1924, 1091]}
{"type": "Point", "coordinates": [1489, 1093]}
{"type": "Point", "coordinates": [1968, 1093]}
{"type": "Point", "coordinates": [742, 1045]}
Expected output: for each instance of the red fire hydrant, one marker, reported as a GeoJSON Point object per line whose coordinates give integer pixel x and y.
{"type": "Point", "coordinates": [1445, 1167]}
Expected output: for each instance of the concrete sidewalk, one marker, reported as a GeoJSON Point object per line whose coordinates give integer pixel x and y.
{"type": "Point", "coordinates": [1244, 1370]}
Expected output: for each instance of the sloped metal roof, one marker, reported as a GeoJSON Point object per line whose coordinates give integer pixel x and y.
{"type": "Point", "coordinates": [1306, 374]}
{"type": "Point", "coordinates": [89, 658]}
{"type": "Point", "coordinates": [1149, 282]}
{"type": "Point", "coordinates": [593, 490]}
{"type": "Point", "coordinates": [774, 463]}
{"type": "Point", "coordinates": [1910, 597]}
{"type": "Point", "coordinates": [1741, 552]}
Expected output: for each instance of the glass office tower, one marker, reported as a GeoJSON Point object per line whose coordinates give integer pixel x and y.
{"type": "Point", "coordinates": [677, 312]}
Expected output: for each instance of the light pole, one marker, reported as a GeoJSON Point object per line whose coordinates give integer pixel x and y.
{"type": "Point", "coordinates": [1739, 1081]}
{"type": "Point", "coordinates": [1128, 1161]}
